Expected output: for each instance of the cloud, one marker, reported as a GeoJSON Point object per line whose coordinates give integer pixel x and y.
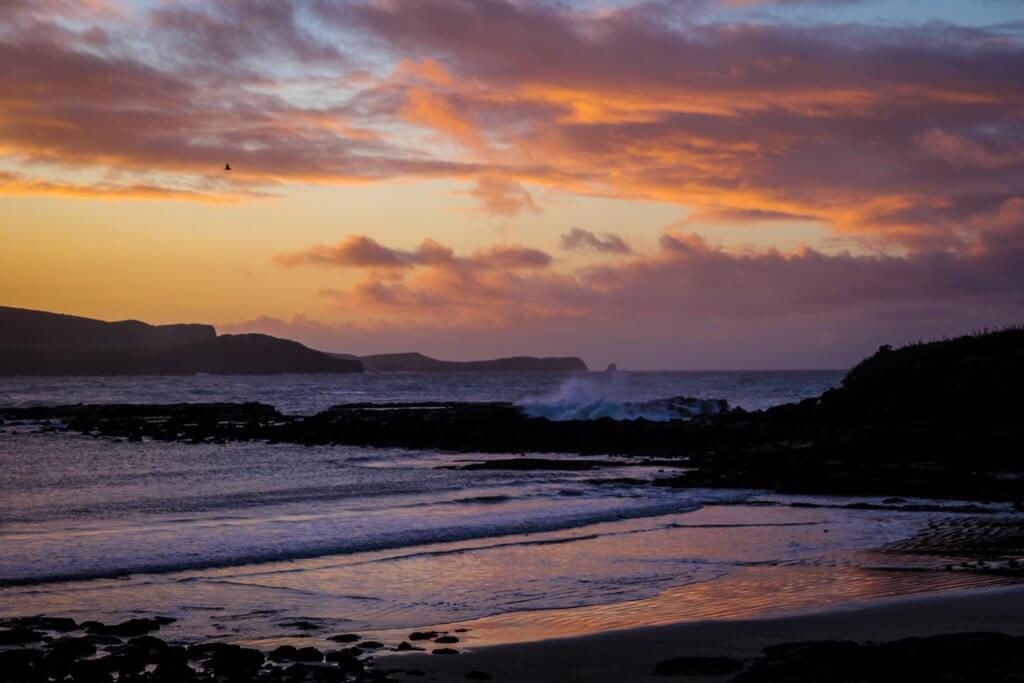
{"type": "Point", "coordinates": [13, 184]}
{"type": "Point", "coordinates": [960, 151]}
{"type": "Point", "coordinates": [355, 251]}
{"type": "Point", "coordinates": [687, 304]}
{"type": "Point", "coordinates": [908, 135]}
{"type": "Point", "coordinates": [503, 196]}
{"type": "Point", "coordinates": [221, 34]}
{"type": "Point", "coordinates": [360, 251]}
{"type": "Point", "coordinates": [840, 124]}
{"type": "Point", "coordinates": [578, 238]}
{"type": "Point", "coordinates": [511, 257]}
{"type": "Point", "coordinates": [76, 104]}
{"type": "Point", "coordinates": [688, 285]}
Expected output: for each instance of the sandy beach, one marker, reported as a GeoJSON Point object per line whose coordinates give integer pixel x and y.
{"type": "Point", "coordinates": [631, 655]}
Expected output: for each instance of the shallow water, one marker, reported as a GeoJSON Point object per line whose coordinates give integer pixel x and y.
{"type": "Point", "coordinates": [240, 541]}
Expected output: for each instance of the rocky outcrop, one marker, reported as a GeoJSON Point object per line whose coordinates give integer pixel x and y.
{"type": "Point", "coordinates": [129, 656]}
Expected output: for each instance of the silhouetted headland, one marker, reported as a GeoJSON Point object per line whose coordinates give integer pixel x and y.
{"type": "Point", "coordinates": [40, 343]}
{"type": "Point", "coordinates": [417, 362]}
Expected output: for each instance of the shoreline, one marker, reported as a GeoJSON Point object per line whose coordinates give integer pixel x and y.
{"type": "Point", "coordinates": [632, 654]}
{"type": "Point", "coordinates": [752, 594]}
{"type": "Point", "coordinates": [971, 634]}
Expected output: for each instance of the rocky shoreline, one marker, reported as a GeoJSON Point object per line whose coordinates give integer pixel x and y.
{"type": "Point", "coordinates": [37, 649]}
{"type": "Point", "coordinates": [43, 648]}
{"type": "Point", "coordinates": [937, 420]}
{"type": "Point", "coordinates": [769, 450]}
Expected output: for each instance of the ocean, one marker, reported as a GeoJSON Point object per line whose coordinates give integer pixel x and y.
{"type": "Point", "coordinates": [264, 543]}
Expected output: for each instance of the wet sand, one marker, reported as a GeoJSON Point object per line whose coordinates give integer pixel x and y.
{"type": "Point", "coordinates": [631, 655]}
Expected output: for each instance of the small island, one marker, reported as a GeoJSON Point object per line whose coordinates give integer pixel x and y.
{"type": "Point", "coordinates": [417, 362]}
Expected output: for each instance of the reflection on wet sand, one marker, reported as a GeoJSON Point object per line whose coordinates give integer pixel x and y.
{"type": "Point", "coordinates": [750, 592]}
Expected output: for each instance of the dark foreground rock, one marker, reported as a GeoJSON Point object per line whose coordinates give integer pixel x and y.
{"type": "Point", "coordinates": [698, 666]}
{"type": "Point", "coordinates": [976, 657]}
{"type": "Point", "coordinates": [32, 656]}
{"type": "Point", "coordinates": [64, 656]}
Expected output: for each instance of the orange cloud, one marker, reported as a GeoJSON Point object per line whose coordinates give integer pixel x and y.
{"type": "Point", "coordinates": [13, 184]}
{"type": "Point", "coordinates": [906, 135]}
{"type": "Point", "coordinates": [502, 196]}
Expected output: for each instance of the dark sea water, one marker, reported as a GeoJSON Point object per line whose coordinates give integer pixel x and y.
{"type": "Point", "coordinates": [242, 540]}
{"type": "Point", "coordinates": [305, 394]}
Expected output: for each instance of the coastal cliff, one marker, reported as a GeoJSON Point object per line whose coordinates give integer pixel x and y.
{"type": "Point", "coordinates": [41, 343]}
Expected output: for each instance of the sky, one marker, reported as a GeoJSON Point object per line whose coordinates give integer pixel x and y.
{"type": "Point", "coordinates": [695, 184]}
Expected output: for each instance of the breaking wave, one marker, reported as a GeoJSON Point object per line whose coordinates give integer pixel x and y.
{"type": "Point", "coordinates": [609, 395]}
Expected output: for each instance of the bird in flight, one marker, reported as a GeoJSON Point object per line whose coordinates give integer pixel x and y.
{"type": "Point", "coordinates": [227, 167]}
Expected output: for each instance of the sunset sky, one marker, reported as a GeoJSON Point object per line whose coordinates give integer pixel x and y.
{"type": "Point", "coordinates": [691, 184]}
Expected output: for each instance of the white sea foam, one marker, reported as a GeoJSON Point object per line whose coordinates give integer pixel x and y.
{"type": "Point", "coordinates": [613, 395]}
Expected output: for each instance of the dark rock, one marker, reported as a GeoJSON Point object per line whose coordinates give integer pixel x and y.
{"type": "Point", "coordinates": [407, 647]}
{"type": "Point", "coordinates": [301, 625]}
{"type": "Point", "coordinates": [147, 643]}
{"type": "Point", "coordinates": [311, 671]}
{"type": "Point", "coordinates": [90, 671]}
{"type": "Point", "coordinates": [698, 666]}
{"type": "Point", "coordinates": [19, 636]}
{"type": "Point", "coordinates": [18, 664]}
{"type": "Point", "coordinates": [445, 651]}
{"type": "Point", "coordinates": [172, 665]}
{"type": "Point", "coordinates": [127, 629]}
{"type": "Point", "coordinates": [423, 635]}
{"type": "Point", "coordinates": [308, 654]}
{"type": "Point", "coordinates": [990, 657]}
{"type": "Point", "coordinates": [283, 653]}
{"type": "Point", "coordinates": [345, 638]}
{"type": "Point", "coordinates": [71, 648]}
{"type": "Point", "coordinates": [41, 623]}
{"type": "Point", "coordinates": [446, 639]}
{"type": "Point", "coordinates": [345, 660]}
{"type": "Point", "coordinates": [370, 645]}
{"type": "Point", "coordinates": [231, 659]}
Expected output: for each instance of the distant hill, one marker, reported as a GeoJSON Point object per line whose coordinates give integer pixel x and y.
{"type": "Point", "coordinates": [40, 343]}
{"type": "Point", "coordinates": [417, 362]}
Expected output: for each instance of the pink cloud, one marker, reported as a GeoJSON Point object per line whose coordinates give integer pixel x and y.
{"type": "Point", "coordinates": [687, 284]}
{"type": "Point", "coordinates": [578, 238]}
{"type": "Point", "coordinates": [908, 135]}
